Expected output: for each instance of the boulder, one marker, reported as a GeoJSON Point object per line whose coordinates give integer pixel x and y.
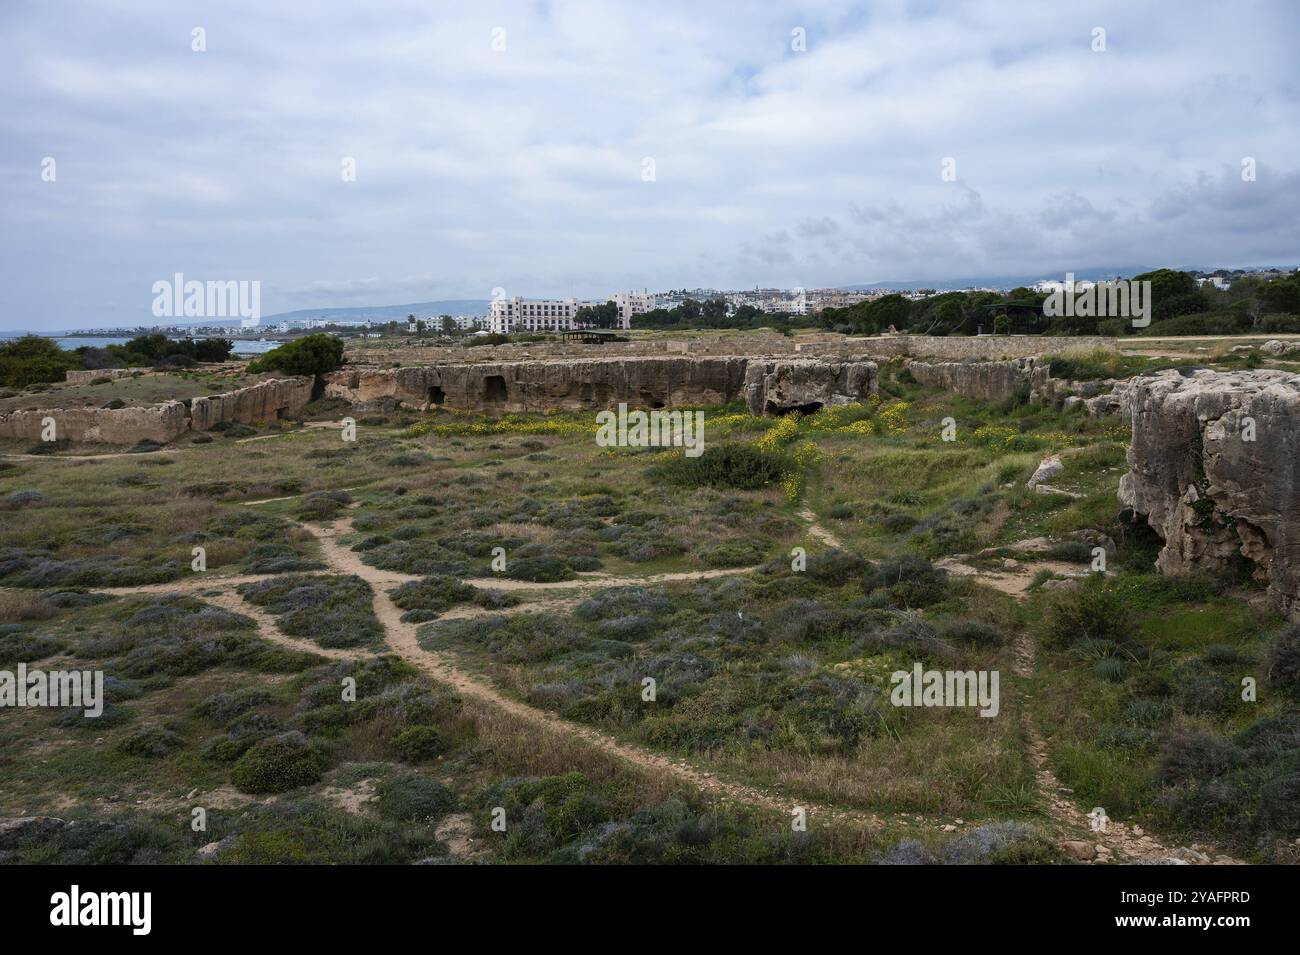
{"type": "Point", "coordinates": [1049, 468]}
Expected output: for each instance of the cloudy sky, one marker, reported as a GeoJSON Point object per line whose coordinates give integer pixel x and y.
{"type": "Point", "coordinates": [577, 148]}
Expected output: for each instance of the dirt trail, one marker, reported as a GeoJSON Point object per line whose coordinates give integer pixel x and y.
{"type": "Point", "coordinates": [1013, 581]}
{"type": "Point", "coordinates": [109, 456]}
{"type": "Point", "coordinates": [819, 532]}
{"type": "Point", "coordinates": [1117, 842]}
{"type": "Point", "coordinates": [402, 639]}
{"type": "Point", "coordinates": [268, 629]}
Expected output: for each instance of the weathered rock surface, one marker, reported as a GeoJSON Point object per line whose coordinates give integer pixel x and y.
{"type": "Point", "coordinates": [1047, 469]}
{"type": "Point", "coordinates": [264, 401]}
{"type": "Point", "coordinates": [983, 380]}
{"type": "Point", "coordinates": [83, 377]}
{"type": "Point", "coordinates": [161, 423]}
{"type": "Point", "coordinates": [780, 386]}
{"type": "Point", "coordinates": [574, 385]}
{"type": "Point", "coordinates": [1213, 470]}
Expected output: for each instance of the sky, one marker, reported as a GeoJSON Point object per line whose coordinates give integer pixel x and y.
{"type": "Point", "coordinates": [556, 149]}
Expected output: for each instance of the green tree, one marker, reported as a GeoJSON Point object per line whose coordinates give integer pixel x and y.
{"type": "Point", "coordinates": [313, 355]}
{"type": "Point", "coordinates": [34, 358]}
{"type": "Point", "coordinates": [598, 316]}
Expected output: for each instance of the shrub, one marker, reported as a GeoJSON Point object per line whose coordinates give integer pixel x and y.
{"type": "Point", "coordinates": [1192, 756]}
{"type": "Point", "coordinates": [972, 632]}
{"type": "Point", "coordinates": [1089, 611]}
{"type": "Point", "coordinates": [1283, 666]}
{"type": "Point", "coordinates": [277, 765]}
{"type": "Point", "coordinates": [730, 465]}
{"type": "Point", "coordinates": [34, 358]}
{"type": "Point", "coordinates": [418, 743]}
{"type": "Point", "coordinates": [152, 742]}
{"type": "Point", "coordinates": [312, 355]}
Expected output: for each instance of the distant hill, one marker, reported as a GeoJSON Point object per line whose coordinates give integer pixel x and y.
{"type": "Point", "coordinates": [385, 313]}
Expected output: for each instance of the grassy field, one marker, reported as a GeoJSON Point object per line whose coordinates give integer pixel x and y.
{"type": "Point", "coordinates": [738, 615]}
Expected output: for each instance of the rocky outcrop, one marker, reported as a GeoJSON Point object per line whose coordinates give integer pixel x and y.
{"type": "Point", "coordinates": [574, 385]}
{"type": "Point", "coordinates": [984, 380]}
{"type": "Point", "coordinates": [1213, 470]}
{"type": "Point", "coordinates": [264, 401]}
{"type": "Point", "coordinates": [84, 377]}
{"type": "Point", "coordinates": [161, 423]}
{"type": "Point", "coordinates": [778, 387]}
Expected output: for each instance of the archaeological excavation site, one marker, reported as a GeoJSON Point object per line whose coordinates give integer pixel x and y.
{"type": "Point", "coordinates": [418, 607]}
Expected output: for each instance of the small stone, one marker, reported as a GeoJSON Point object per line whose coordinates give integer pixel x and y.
{"type": "Point", "coordinates": [1081, 851]}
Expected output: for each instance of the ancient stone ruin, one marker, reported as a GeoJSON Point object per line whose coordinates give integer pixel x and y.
{"type": "Point", "coordinates": [1213, 470]}
{"type": "Point", "coordinates": [572, 385]}
{"type": "Point", "coordinates": [264, 401]}
{"type": "Point", "coordinates": [806, 386]}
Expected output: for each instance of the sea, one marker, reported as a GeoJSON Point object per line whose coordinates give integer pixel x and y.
{"type": "Point", "coordinates": [243, 346]}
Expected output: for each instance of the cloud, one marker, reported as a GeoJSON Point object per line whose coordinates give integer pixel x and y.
{"type": "Point", "coordinates": [523, 167]}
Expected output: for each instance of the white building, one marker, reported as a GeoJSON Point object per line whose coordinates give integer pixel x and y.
{"type": "Point", "coordinates": [506, 315]}
{"type": "Point", "coordinates": [630, 304]}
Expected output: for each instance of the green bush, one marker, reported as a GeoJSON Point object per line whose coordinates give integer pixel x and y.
{"type": "Point", "coordinates": [418, 743]}
{"type": "Point", "coordinates": [32, 359]}
{"type": "Point", "coordinates": [277, 765]}
{"type": "Point", "coordinates": [732, 465]}
{"type": "Point", "coordinates": [312, 355]}
{"type": "Point", "coordinates": [1087, 612]}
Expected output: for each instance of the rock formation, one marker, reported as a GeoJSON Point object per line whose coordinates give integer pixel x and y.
{"type": "Point", "coordinates": [573, 385]}
{"type": "Point", "coordinates": [161, 423]}
{"type": "Point", "coordinates": [264, 401]}
{"type": "Point", "coordinates": [1213, 470]}
{"type": "Point", "coordinates": [780, 386]}
{"type": "Point", "coordinates": [983, 380]}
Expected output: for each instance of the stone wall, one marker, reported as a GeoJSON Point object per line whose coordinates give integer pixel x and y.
{"type": "Point", "coordinates": [85, 377]}
{"type": "Point", "coordinates": [573, 385]}
{"type": "Point", "coordinates": [264, 401]}
{"type": "Point", "coordinates": [1215, 496]}
{"type": "Point", "coordinates": [162, 423]}
{"type": "Point", "coordinates": [983, 380]}
{"type": "Point", "coordinates": [984, 347]}
{"type": "Point", "coordinates": [806, 385]}
{"type": "Point", "coordinates": [739, 344]}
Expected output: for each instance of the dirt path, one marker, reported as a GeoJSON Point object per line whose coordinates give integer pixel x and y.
{"type": "Point", "coordinates": [268, 629]}
{"type": "Point", "coordinates": [819, 532]}
{"type": "Point", "coordinates": [401, 637]}
{"type": "Point", "coordinates": [1117, 841]}
{"type": "Point", "coordinates": [1012, 581]}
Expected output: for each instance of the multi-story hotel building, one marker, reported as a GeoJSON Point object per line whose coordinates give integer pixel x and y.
{"type": "Point", "coordinates": [506, 315]}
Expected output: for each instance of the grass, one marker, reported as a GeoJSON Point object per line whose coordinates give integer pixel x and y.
{"type": "Point", "coordinates": [778, 679]}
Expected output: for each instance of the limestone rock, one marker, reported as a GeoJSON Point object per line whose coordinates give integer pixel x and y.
{"type": "Point", "coordinates": [983, 380]}
{"type": "Point", "coordinates": [777, 387]}
{"type": "Point", "coordinates": [1212, 468]}
{"type": "Point", "coordinates": [264, 401]}
{"type": "Point", "coordinates": [161, 423]}
{"type": "Point", "coordinates": [571, 385]}
{"type": "Point", "coordinates": [1049, 468]}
